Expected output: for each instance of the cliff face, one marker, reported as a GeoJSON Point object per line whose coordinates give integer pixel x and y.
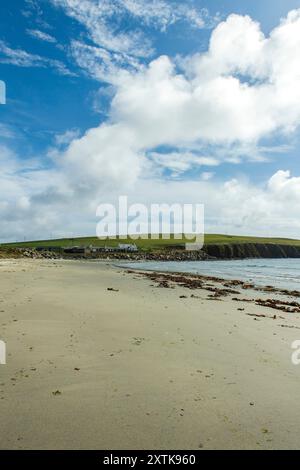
{"type": "Point", "coordinates": [252, 250]}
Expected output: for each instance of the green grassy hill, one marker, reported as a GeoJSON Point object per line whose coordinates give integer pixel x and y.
{"type": "Point", "coordinates": [210, 239]}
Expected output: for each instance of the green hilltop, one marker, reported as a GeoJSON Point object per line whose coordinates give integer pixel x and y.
{"type": "Point", "coordinates": [151, 244]}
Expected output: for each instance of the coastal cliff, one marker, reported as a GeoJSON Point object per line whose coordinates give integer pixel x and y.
{"type": "Point", "coordinates": [252, 250]}
{"type": "Point", "coordinates": [209, 251]}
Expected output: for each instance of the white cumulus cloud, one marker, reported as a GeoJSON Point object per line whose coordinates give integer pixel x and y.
{"type": "Point", "coordinates": [243, 89]}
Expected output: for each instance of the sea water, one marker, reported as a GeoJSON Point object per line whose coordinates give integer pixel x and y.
{"type": "Point", "coordinates": [282, 273]}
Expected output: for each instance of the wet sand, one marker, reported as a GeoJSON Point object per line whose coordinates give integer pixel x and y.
{"type": "Point", "coordinates": [142, 365]}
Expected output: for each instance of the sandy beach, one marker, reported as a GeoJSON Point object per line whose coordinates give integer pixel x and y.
{"type": "Point", "coordinates": [99, 358]}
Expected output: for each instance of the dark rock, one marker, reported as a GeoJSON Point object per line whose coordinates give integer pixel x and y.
{"type": "Point", "coordinates": [252, 250]}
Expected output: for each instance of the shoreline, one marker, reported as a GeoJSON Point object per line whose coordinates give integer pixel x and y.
{"type": "Point", "coordinates": [112, 359]}
{"type": "Point", "coordinates": [216, 279]}
{"type": "Point", "coordinates": [168, 279]}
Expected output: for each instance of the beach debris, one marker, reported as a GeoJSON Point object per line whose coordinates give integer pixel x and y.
{"type": "Point", "coordinates": [164, 284]}
{"type": "Point", "coordinates": [248, 286]}
{"type": "Point", "coordinates": [290, 326]}
{"type": "Point", "coordinates": [138, 341]}
{"type": "Point", "coordinates": [284, 306]}
{"type": "Point", "coordinates": [111, 289]}
{"type": "Point", "coordinates": [183, 297]}
{"type": "Point", "coordinates": [256, 315]}
{"type": "Point", "coordinates": [234, 282]}
{"type": "Point", "coordinates": [221, 292]}
{"type": "Point", "coordinates": [196, 281]}
{"type": "Point", "coordinates": [56, 393]}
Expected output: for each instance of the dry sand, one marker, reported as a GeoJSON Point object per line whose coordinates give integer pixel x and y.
{"type": "Point", "coordinates": [139, 368]}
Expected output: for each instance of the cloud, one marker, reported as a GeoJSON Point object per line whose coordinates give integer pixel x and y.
{"type": "Point", "coordinates": [286, 187]}
{"type": "Point", "coordinates": [66, 137]}
{"type": "Point", "coordinates": [41, 35]}
{"type": "Point", "coordinates": [222, 100]}
{"type": "Point", "coordinates": [235, 206]}
{"type": "Point", "coordinates": [165, 115]}
{"type": "Point", "coordinates": [243, 89]}
{"type": "Point", "coordinates": [180, 162]}
{"type": "Point", "coordinates": [163, 14]}
{"type": "Point", "coordinates": [6, 131]}
{"type": "Point", "coordinates": [113, 47]}
{"type": "Point", "coordinates": [101, 19]}
{"type": "Point", "coordinates": [207, 175]}
{"type": "Point", "coordinates": [21, 58]}
{"type": "Point", "coordinates": [33, 9]}
{"type": "Point", "coordinates": [94, 17]}
{"type": "Point", "coordinates": [101, 64]}
{"type": "Point", "coordinates": [102, 159]}
{"type": "Point", "coordinates": [40, 202]}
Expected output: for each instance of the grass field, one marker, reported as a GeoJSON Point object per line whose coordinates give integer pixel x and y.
{"type": "Point", "coordinates": [149, 244]}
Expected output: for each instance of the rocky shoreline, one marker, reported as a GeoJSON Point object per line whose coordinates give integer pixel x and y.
{"type": "Point", "coordinates": [209, 252]}
{"type": "Point", "coordinates": [252, 250]}
{"type": "Point", "coordinates": [171, 255]}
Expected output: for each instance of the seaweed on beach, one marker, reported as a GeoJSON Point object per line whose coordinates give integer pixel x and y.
{"type": "Point", "coordinates": [284, 306]}
{"type": "Point", "coordinates": [196, 281]}
{"type": "Point", "coordinates": [193, 282]}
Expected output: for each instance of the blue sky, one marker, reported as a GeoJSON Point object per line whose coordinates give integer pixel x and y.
{"type": "Point", "coordinates": [146, 78]}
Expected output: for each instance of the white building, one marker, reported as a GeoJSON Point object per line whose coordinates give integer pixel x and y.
{"type": "Point", "coordinates": [127, 247]}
